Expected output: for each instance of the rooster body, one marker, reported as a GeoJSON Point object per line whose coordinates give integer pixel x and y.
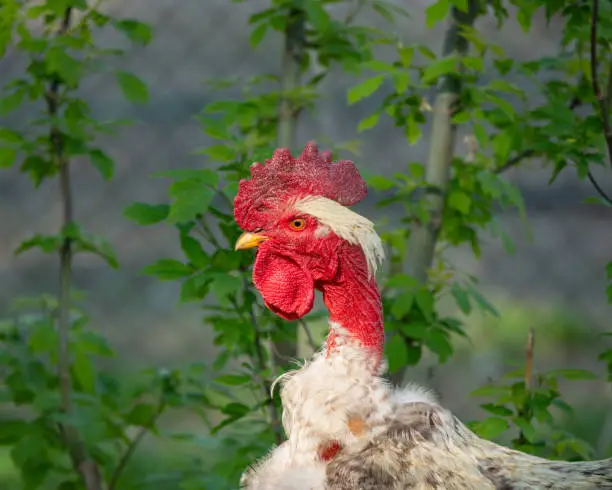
{"type": "Point", "coordinates": [347, 428]}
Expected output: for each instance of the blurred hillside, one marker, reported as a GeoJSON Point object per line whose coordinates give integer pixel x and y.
{"type": "Point", "coordinates": [554, 282]}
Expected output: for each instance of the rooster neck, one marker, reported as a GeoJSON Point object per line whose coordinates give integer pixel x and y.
{"type": "Point", "coordinates": [354, 303]}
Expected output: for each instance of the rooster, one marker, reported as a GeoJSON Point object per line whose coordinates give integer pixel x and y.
{"type": "Point", "coordinates": [346, 427]}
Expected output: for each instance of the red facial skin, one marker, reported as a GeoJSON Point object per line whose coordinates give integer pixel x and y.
{"type": "Point", "coordinates": [291, 264]}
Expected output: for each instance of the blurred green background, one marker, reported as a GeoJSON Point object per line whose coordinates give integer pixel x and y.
{"type": "Point", "coordinates": [554, 282]}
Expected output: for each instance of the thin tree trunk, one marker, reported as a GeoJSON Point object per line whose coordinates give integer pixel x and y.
{"type": "Point", "coordinates": [82, 464]}
{"type": "Point", "coordinates": [423, 236]}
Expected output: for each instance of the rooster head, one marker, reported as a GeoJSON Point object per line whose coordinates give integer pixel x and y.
{"type": "Point", "coordinates": [295, 211]}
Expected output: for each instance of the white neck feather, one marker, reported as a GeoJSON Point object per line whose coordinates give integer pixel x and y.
{"type": "Point", "coordinates": [348, 225]}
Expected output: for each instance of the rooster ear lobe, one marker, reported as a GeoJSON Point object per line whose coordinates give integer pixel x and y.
{"type": "Point", "coordinates": [286, 287]}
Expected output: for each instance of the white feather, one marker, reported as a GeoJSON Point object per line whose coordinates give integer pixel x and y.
{"type": "Point", "coordinates": [318, 401]}
{"type": "Point", "coordinates": [347, 224]}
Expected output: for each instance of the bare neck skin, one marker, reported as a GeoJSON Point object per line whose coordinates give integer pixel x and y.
{"type": "Point", "coordinates": [354, 302]}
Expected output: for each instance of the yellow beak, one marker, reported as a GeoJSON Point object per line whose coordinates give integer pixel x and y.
{"type": "Point", "coordinates": [249, 240]}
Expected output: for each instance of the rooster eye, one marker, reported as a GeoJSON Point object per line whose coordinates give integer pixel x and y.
{"type": "Point", "coordinates": [297, 224]}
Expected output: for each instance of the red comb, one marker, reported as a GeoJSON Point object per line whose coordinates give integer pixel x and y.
{"type": "Point", "coordinates": [310, 174]}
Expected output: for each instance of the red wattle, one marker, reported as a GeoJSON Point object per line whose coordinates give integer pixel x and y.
{"type": "Point", "coordinates": [287, 288]}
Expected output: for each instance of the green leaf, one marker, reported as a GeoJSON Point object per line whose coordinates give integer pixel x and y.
{"type": "Point", "coordinates": [490, 428]}
{"type": "Point", "coordinates": [365, 88]}
{"type": "Point", "coordinates": [412, 130]}
{"type": "Point", "coordinates": [84, 370]}
{"type": "Point", "coordinates": [425, 301]}
{"type": "Point", "coordinates": [436, 12]}
{"type": "Point", "coordinates": [380, 183]}
{"type": "Point", "coordinates": [502, 144]}
{"type": "Point", "coordinates": [39, 168]}
{"type": "Point", "coordinates": [11, 102]}
{"type": "Point", "coordinates": [258, 34]}
{"type": "Point", "coordinates": [142, 415]}
{"type": "Point", "coordinates": [46, 243]}
{"type": "Point", "coordinates": [402, 281]}
{"type": "Point", "coordinates": [61, 64]}
{"type": "Point", "coordinates": [137, 32]}
{"type": "Point", "coordinates": [397, 353]}
{"type": "Point", "coordinates": [220, 153]}
{"type": "Point", "coordinates": [317, 15]}
{"type": "Point", "coordinates": [194, 288]}
{"type": "Point", "coordinates": [497, 409]}
{"type": "Point", "coordinates": [233, 379]}
{"type": "Point", "coordinates": [193, 251]}
{"type": "Point", "coordinates": [503, 105]}
{"type": "Point", "coordinates": [94, 344]}
{"type": "Point", "coordinates": [190, 199]}
{"type": "Point", "coordinates": [526, 428]}
{"type": "Point", "coordinates": [481, 135]}
{"type": "Point", "coordinates": [133, 88]}
{"type": "Point", "coordinates": [438, 68]}
{"type": "Point", "coordinates": [7, 157]}
{"type": "Point", "coordinates": [368, 122]}
{"type": "Point", "coordinates": [224, 285]}
{"type": "Point", "coordinates": [416, 169]}
{"type": "Point", "coordinates": [439, 343]}
{"type": "Point", "coordinates": [10, 136]}
{"type": "Point", "coordinates": [102, 162]}
{"type": "Point", "coordinates": [461, 5]}
{"type": "Point", "coordinates": [402, 304]}
{"type": "Point", "coordinates": [85, 242]}
{"type": "Point", "coordinates": [43, 338]}
{"type": "Point", "coordinates": [401, 81]}
{"type": "Point", "coordinates": [235, 409]}
{"type": "Point", "coordinates": [406, 55]}
{"type": "Point", "coordinates": [462, 299]}
{"type": "Point", "coordinates": [12, 430]}
{"type": "Point", "coordinates": [167, 270]}
{"type": "Point", "coordinates": [475, 63]}
{"type": "Point", "coordinates": [146, 214]}
{"type": "Point", "coordinates": [415, 330]}
{"type": "Point", "coordinates": [482, 302]}
{"type": "Point", "coordinates": [581, 448]}
{"type": "Point", "coordinates": [460, 201]}
{"type": "Point", "coordinates": [414, 354]}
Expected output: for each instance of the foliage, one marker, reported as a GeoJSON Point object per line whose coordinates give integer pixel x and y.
{"type": "Point", "coordinates": [50, 436]}
{"type": "Point", "coordinates": [532, 413]}
{"type": "Point", "coordinates": [69, 424]}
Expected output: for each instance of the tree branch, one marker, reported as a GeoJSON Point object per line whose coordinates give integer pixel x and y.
{"type": "Point", "coordinates": [529, 358]}
{"type": "Point", "coordinates": [600, 95]}
{"type": "Point", "coordinates": [275, 419]}
{"type": "Point", "coordinates": [526, 411]}
{"type": "Point", "coordinates": [423, 237]}
{"type": "Point", "coordinates": [86, 467]}
{"type": "Point", "coordinates": [293, 57]}
{"type": "Point", "coordinates": [514, 161]}
{"type": "Point", "coordinates": [598, 188]}
{"type": "Point", "coordinates": [129, 452]}
{"type": "Point", "coordinates": [309, 337]}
